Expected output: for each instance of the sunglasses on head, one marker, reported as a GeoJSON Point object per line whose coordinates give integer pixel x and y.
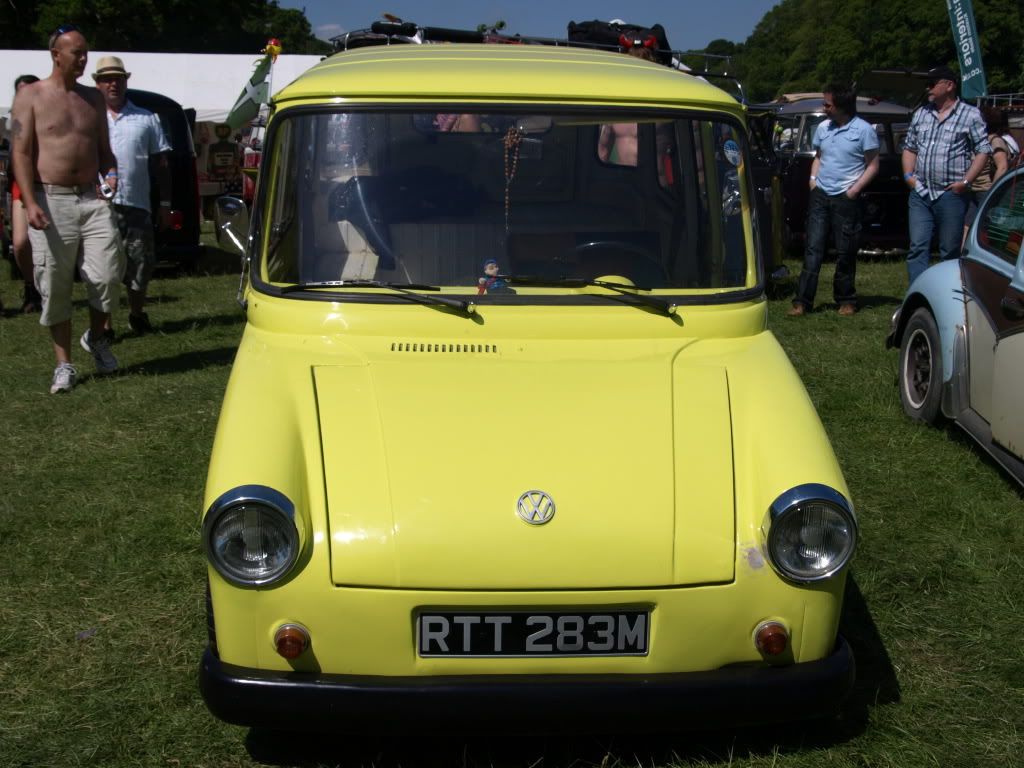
{"type": "Point", "coordinates": [63, 29]}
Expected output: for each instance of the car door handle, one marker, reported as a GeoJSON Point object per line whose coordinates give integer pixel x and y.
{"type": "Point", "coordinates": [1012, 307]}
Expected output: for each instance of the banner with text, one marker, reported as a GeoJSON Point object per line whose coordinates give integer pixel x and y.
{"type": "Point", "coordinates": [965, 37]}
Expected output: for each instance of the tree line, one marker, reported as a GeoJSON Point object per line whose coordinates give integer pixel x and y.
{"type": "Point", "coordinates": [799, 45]}
{"type": "Point", "coordinates": [175, 26]}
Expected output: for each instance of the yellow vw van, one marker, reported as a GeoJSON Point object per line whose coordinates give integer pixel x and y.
{"type": "Point", "coordinates": [502, 434]}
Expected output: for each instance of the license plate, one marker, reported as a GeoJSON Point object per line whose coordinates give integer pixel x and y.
{"type": "Point", "coordinates": [522, 633]}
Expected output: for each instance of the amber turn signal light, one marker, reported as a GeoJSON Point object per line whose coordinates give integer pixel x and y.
{"type": "Point", "coordinates": [771, 638]}
{"type": "Point", "coordinates": [291, 640]}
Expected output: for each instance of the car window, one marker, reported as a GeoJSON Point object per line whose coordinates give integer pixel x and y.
{"type": "Point", "coordinates": [282, 234]}
{"type": "Point", "coordinates": [759, 146]}
{"type": "Point", "coordinates": [1002, 222]}
{"type": "Point", "coordinates": [174, 130]}
{"type": "Point", "coordinates": [784, 134]}
{"type": "Point", "coordinates": [899, 135]}
{"type": "Point", "coordinates": [376, 195]}
{"type": "Point", "coordinates": [618, 144]}
{"type": "Point", "coordinates": [172, 119]}
{"type": "Point", "coordinates": [807, 135]}
{"type": "Point", "coordinates": [883, 138]}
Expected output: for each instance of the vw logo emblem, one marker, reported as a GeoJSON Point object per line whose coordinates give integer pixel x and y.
{"type": "Point", "coordinates": [535, 507]}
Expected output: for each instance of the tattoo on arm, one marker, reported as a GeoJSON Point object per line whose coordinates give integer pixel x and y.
{"type": "Point", "coordinates": [16, 128]}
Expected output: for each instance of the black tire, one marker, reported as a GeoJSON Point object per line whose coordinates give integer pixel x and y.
{"type": "Point", "coordinates": [920, 373]}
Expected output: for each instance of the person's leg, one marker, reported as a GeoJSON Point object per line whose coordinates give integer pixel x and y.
{"type": "Point", "coordinates": [814, 253]}
{"type": "Point", "coordinates": [54, 253]}
{"type": "Point", "coordinates": [921, 225]}
{"type": "Point", "coordinates": [23, 257]}
{"type": "Point", "coordinates": [60, 334]}
{"type": "Point", "coordinates": [846, 230]}
{"type": "Point", "coordinates": [137, 230]}
{"type": "Point", "coordinates": [102, 271]}
{"type": "Point", "coordinates": [950, 212]}
{"type": "Point", "coordinates": [19, 240]}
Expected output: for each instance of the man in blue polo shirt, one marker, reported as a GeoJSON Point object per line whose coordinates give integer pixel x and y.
{"type": "Point", "coordinates": [845, 161]}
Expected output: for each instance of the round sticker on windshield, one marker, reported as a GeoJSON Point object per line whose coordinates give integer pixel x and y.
{"type": "Point", "coordinates": [732, 152]}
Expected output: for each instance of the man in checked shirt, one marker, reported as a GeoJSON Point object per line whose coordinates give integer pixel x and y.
{"type": "Point", "coordinates": [946, 148]}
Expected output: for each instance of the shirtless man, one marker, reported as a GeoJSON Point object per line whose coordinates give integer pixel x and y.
{"type": "Point", "coordinates": [61, 148]}
{"type": "Point", "coordinates": [618, 142]}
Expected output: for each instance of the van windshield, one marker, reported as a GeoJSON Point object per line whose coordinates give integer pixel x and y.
{"type": "Point", "coordinates": [459, 199]}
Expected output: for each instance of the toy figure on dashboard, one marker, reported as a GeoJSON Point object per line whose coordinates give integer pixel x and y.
{"type": "Point", "coordinates": [491, 281]}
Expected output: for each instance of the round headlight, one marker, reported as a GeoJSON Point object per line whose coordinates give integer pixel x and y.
{"type": "Point", "coordinates": [250, 536]}
{"type": "Point", "coordinates": [811, 533]}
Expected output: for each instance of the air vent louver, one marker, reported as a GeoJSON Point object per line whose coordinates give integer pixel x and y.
{"type": "Point", "coordinates": [464, 349]}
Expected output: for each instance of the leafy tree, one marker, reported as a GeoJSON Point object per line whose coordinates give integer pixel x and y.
{"type": "Point", "coordinates": [801, 44]}
{"type": "Point", "coordinates": [193, 26]}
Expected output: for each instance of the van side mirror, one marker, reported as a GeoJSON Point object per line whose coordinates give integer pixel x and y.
{"type": "Point", "coordinates": [231, 223]}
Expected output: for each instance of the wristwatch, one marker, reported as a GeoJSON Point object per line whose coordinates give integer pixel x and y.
{"type": "Point", "coordinates": [814, 178]}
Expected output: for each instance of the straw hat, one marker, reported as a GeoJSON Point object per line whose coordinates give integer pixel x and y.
{"type": "Point", "coordinates": [109, 65]}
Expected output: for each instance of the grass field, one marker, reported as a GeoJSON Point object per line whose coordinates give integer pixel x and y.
{"type": "Point", "coordinates": [101, 576]}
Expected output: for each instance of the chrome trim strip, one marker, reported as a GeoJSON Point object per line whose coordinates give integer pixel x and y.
{"type": "Point", "coordinates": [960, 383]}
{"type": "Point", "coordinates": [802, 494]}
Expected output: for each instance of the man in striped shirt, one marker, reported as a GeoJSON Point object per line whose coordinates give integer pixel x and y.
{"type": "Point", "coordinates": [946, 148]}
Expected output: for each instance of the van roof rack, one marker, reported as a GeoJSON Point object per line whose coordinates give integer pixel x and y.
{"type": "Point", "coordinates": [406, 32]}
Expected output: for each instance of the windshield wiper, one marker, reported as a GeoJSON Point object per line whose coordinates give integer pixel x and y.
{"type": "Point", "coordinates": [665, 306]}
{"type": "Point", "coordinates": [405, 290]}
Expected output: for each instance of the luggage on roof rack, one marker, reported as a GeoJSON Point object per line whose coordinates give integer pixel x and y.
{"type": "Point", "coordinates": [621, 36]}
{"type": "Point", "coordinates": [606, 35]}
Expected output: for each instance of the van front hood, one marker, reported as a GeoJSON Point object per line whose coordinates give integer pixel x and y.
{"type": "Point", "coordinates": [426, 461]}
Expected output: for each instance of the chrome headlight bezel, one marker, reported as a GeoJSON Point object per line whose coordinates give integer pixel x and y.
{"type": "Point", "coordinates": [794, 502]}
{"type": "Point", "coordinates": [278, 511]}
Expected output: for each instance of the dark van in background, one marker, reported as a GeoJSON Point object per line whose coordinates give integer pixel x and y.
{"type": "Point", "coordinates": [885, 200]}
{"type": "Point", "coordinates": [179, 244]}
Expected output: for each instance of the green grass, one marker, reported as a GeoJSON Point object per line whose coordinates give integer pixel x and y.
{"type": "Point", "coordinates": [101, 577]}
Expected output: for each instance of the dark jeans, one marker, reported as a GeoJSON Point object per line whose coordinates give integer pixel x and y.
{"type": "Point", "coordinates": [946, 212]}
{"type": "Point", "coordinates": [844, 216]}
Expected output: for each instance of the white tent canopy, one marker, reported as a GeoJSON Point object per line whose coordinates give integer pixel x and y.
{"type": "Point", "coordinates": [209, 83]}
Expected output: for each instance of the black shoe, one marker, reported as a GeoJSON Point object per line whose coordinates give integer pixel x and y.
{"type": "Point", "coordinates": [140, 323]}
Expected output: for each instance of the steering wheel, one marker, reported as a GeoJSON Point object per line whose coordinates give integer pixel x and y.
{"type": "Point", "coordinates": [645, 270]}
{"type": "Point", "coordinates": [618, 245]}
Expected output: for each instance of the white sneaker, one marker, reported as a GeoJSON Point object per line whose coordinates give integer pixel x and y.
{"type": "Point", "coordinates": [100, 350]}
{"type": "Point", "coordinates": [64, 376]}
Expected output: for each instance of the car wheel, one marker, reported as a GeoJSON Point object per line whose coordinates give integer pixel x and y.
{"type": "Point", "coordinates": [920, 374]}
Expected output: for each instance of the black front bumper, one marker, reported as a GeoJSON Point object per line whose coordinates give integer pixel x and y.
{"type": "Point", "coordinates": [730, 696]}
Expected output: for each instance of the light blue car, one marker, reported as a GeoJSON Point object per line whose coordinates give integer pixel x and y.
{"type": "Point", "coordinates": [960, 332]}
